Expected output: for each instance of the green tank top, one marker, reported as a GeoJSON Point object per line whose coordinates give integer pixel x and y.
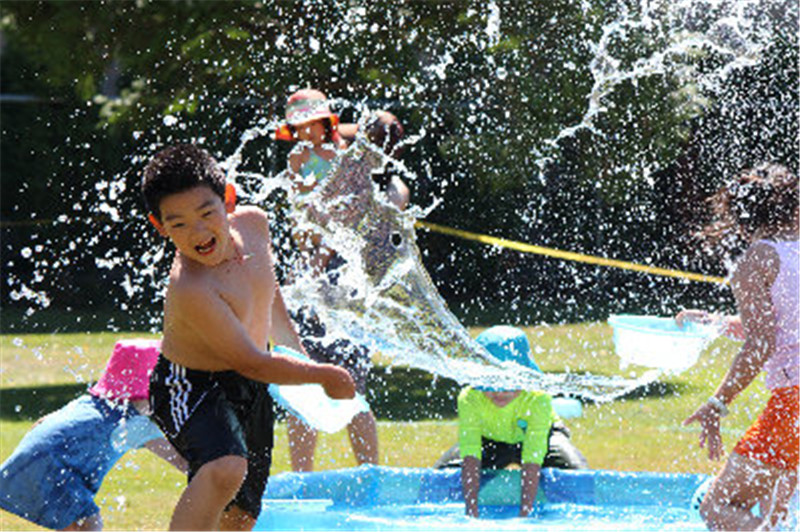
{"type": "Point", "coordinates": [526, 419]}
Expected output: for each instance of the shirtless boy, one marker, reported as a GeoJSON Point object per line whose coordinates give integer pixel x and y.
{"type": "Point", "coordinates": [223, 306]}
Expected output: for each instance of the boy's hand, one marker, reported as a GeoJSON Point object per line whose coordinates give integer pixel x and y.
{"type": "Point", "coordinates": [338, 383]}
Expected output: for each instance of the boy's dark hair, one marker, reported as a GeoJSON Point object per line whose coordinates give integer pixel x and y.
{"type": "Point", "coordinates": [385, 131]}
{"type": "Point", "coordinates": [179, 168]}
{"type": "Point", "coordinates": [764, 198]}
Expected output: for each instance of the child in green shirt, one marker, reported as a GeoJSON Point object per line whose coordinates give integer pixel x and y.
{"type": "Point", "coordinates": [514, 417]}
{"type": "Point", "coordinates": [500, 427]}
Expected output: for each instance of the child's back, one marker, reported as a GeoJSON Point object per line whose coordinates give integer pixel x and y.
{"type": "Point", "coordinates": [55, 472]}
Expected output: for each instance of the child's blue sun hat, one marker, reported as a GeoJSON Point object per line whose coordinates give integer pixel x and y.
{"type": "Point", "coordinates": [507, 343]}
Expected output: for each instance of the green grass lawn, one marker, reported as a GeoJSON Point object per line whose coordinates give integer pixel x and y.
{"type": "Point", "coordinates": [39, 373]}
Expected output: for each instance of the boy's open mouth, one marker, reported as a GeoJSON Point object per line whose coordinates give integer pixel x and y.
{"type": "Point", "coordinates": [206, 247]}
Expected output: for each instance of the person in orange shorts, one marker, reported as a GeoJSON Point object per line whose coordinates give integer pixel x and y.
{"type": "Point", "coordinates": [761, 206]}
{"type": "Point", "coordinates": [772, 439]}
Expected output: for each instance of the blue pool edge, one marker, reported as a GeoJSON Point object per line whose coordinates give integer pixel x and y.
{"type": "Point", "coordinates": [379, 485]}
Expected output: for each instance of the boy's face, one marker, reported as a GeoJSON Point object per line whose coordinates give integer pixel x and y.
{"type": "Point", "coordinates": [197, 223]}
{"type": "Point", "coordinates": [502, 398]}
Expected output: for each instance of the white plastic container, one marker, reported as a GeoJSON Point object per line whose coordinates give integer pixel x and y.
{"type": "Point", "coordinates": [656, 342]}
{"type": "Point", "coordinates": [310, 403]}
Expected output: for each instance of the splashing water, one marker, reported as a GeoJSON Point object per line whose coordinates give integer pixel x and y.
{"type": "Point", "coordinates": [736, 30]}
{"type": "Point", "coordinates": [382, 296]}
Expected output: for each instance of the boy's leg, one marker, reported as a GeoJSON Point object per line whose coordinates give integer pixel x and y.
{"type": "Point", "coordinates": [561, 452]}
{"type": "Point", "coordinates": [208, 493]}
{"type": "Point", "coordinates": [362, 429]}
{"type": "Point", "coordinates": [255, 412]}
{"type": "Point", "coordinates": [742, 483]}
{"type": "Point", "coordinates": [776, 508]}
{"type": "Point", "coordinates": [234, 518]}
{"type": "Point", "coordinates": [302, 443]}
{"type": "Point", "coordinates": [93, 522]}
{"type": "Point", "coordinates": [363, 432]}
{"type": "Point", "coordinates": [200, 420]}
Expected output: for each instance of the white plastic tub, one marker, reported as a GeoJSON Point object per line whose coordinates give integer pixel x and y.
{"type": "Point", "coordinates": [656, 342]}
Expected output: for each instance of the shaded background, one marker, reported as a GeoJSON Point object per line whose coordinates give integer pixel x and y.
{"type": "Point", "coordinates": [90, 90]}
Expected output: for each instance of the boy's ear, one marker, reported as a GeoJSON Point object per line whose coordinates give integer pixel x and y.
{"type": "Point", "coordinates": [230, 198]}
{"type": "Point", "coordinates": [157, 224]}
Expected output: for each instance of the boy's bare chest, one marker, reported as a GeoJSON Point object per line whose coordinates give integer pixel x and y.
{"type": "Point", "coordinates": [247, 285]}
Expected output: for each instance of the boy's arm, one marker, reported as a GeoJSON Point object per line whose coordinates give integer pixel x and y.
{"type": "Point", "coordinates": [213, 321]}
{"type": "Point", "coordinates": [470, 483]}
{"type": "Point", "coordinates": [734, 328]}
{"type": "Point", "coordinates": [530, 486]}
{"type": "Point", "coordinates": [534, 447]}
{"type": "Point", "coordinates": [283, 331]}
{"type": "Point", "coordinates": [731, 326]}
{"type": "Point", "coordinates": [469, 444]}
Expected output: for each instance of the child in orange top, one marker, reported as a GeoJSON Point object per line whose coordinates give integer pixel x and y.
{"type": "Point", "coordinates": [761, 206]}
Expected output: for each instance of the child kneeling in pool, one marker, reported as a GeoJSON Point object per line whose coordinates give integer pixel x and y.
{"type": "Point", "coordinates": [53, 475]}
{"type": "Point", "coordinates": [501, 427]}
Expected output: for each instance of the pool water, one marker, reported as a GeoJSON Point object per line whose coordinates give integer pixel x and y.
{"type": "Point", "coordinates": [381, 498]}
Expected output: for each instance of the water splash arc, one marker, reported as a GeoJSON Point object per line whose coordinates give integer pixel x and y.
{"type": "Point", "coordinates": [382, 297]}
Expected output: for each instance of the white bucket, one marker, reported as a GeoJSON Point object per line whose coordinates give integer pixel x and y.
{"type": "Point", "coordinates": [656, 342]}
{"type": "Point", "coordinates": [310, 403]}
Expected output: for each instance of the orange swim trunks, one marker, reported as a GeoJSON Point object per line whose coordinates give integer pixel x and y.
{"type": "Point", "coordinates": [774, 438]}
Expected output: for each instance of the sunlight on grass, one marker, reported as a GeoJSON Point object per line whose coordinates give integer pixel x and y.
{"type": "Point", "coordinates": [35, 359]}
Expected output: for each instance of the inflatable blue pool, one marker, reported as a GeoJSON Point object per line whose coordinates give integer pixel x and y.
{"type": "Point", "coordinates": [382, 498]}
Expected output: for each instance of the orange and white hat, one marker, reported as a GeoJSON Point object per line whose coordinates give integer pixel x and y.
{"type": "Point", "coordinates": [303, 106]}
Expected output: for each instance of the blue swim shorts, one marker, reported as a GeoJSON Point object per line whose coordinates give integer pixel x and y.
{"type": "Point", "coordinates": [53, 475]}
{"type": "Point", "coordinates": [206, 415]}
